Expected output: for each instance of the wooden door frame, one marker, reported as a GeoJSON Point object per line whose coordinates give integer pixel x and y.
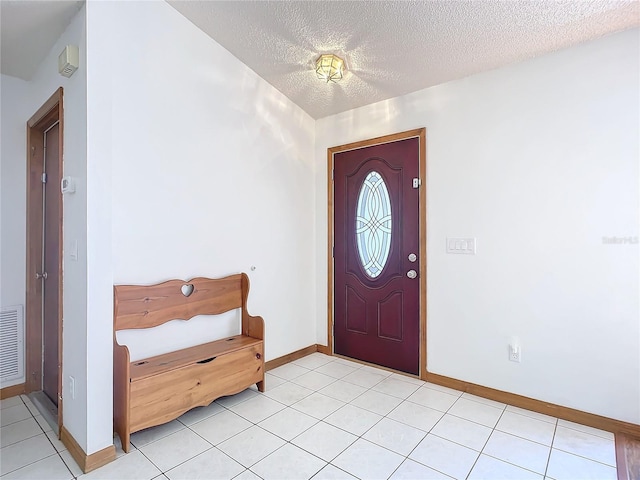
{"type": "Point", "coordinates": [46, 116]}
{"type": "Point", "coordinates": [419, 133]}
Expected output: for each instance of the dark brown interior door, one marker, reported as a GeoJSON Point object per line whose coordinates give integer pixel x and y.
{"type": "Point", "coordinates": [376, 256]}
{"type": "Point", "coordinates": [51, 262]}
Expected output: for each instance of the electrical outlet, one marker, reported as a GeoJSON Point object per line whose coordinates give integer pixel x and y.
{"type": "Point", "coordinates": [515, 353]}
{"type": "Point", "coordinates": [72, 387]}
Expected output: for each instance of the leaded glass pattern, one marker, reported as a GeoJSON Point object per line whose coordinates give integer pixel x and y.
{"type": "Point", "coordinates": [373, 224]}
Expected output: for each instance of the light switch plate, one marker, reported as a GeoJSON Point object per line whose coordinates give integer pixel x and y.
{"type": "Point", "coordinates": [461, 245]}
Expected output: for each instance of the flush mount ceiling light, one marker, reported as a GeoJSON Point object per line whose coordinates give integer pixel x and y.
{"type": "Point", "coordinates": [329, 67]}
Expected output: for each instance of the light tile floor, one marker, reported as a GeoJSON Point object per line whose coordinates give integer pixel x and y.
{"type": "Point", "coordinates": [328, 418]}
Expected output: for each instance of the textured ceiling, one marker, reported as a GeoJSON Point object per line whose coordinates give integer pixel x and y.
{"type": "Point", "coordinates": [395, 47]}
{"type": "Point", "coordinates": [391, 47]}
{"type": "Point", "coordinates": [28, 30]}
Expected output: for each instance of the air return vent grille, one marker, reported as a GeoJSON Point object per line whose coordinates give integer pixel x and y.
{"type": "Point", "coordinates": [11, 343]}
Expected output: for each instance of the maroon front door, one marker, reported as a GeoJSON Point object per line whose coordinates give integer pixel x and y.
{"type": "Point", "coordinates": [376, 254]}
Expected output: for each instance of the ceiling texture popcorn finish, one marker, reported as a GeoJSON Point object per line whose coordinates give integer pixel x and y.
{"type": "Point", "coordinates": [390, 48]}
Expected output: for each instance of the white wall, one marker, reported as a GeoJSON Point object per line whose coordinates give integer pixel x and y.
{"type": "Point", "coordinates": [99, 328]}
{"type": "Point", "coordinates": [212, 173]}
{"type": "Point", "coordinates": [12, 192]}
{"type": "Point", "coordinates": [12, 195]}
{"type": "Point", "coordinates": [539, 162]}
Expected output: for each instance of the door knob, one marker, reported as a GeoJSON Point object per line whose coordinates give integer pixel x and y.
{"type": "Point", "coordinates": [412, 257]}
{"type": "Point", "coordinates": [42, 275]}
{"type": "Point", "coordinates": [412, 274]}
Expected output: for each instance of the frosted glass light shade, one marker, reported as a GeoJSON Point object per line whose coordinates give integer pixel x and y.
{"type": "Point", "coordinates": [329, 67]}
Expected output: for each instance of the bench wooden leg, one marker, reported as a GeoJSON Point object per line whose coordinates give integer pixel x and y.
{"type": "Point", "coordinates": [124, 439]}
{"type": "Point", "coordinates": [260, 386]}
{"type": "Point", "coordinates": [126, 442]}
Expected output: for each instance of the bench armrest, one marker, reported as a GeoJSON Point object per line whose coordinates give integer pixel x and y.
{"type": "Point", "coordinates": [253, 326]}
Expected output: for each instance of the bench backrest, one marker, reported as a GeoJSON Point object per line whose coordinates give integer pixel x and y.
{"type": "Point", "coordinates": [145, 306]}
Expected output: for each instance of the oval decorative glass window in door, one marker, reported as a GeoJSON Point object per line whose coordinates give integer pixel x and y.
{"type": "Point", "coordinates": [373, 224]}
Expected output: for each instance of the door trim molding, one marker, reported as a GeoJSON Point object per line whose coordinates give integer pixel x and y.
{"type": "Point", "coordinates": [49, 113]}
{"type": "Point", "coordinates": [421, 134]}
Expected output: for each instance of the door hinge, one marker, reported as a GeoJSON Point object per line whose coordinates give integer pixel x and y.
{"type": "Point", "coordinates": [417, 182]}
{"type": "Point", "coordinates": [332, 172]}
{"type": "Point", "coordinates": [44, 178]}
{"type": "Point", "coordinates": [333, 252]}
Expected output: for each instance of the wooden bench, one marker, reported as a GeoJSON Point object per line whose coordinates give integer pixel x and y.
{"type": "Point", "coordinates": [156, 390]}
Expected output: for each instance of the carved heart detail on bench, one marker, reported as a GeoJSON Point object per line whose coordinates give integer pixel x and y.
{"type": "Point", "coordinates": [187, 289]}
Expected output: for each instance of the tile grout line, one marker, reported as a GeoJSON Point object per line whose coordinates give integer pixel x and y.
{"type": "Point", "coordinates": [371, 388]}
{"type": "Point", "coordinates": [525, 438]}
{"type": "Point", "coordinates": [322, 420]}
{"type": "Point", "coordinates": [585, 458]}
{"type": "Point", "coordinates": [503, 410]}
{"type": "Point", "coordinates": [513, 464]}
{"type": "Point", "coordinates": [431, 430]}
{"type": "Point", "coordinates": [517, 436]}
{"type": "Point", "coordinates": [358, 368]}
{"type": "Point", "coordinates": [361, 436]}
{"type": "Point", "coordinates": [573, 429]}
{"type": "Point", "coordinates": [256, 425]}
{"type": "Point", "coordinates": [212, 445]}
{"type": "Point", "coordinates": [56, 452]}
{"type": "Point", "coordinates": [486, 442]}
{"type": "Point", "coordinates": [553, 439]}
{"type": "Point", "coordinates": [505, 461]}
{"type": "Point", "coordinates": [406, 457]}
